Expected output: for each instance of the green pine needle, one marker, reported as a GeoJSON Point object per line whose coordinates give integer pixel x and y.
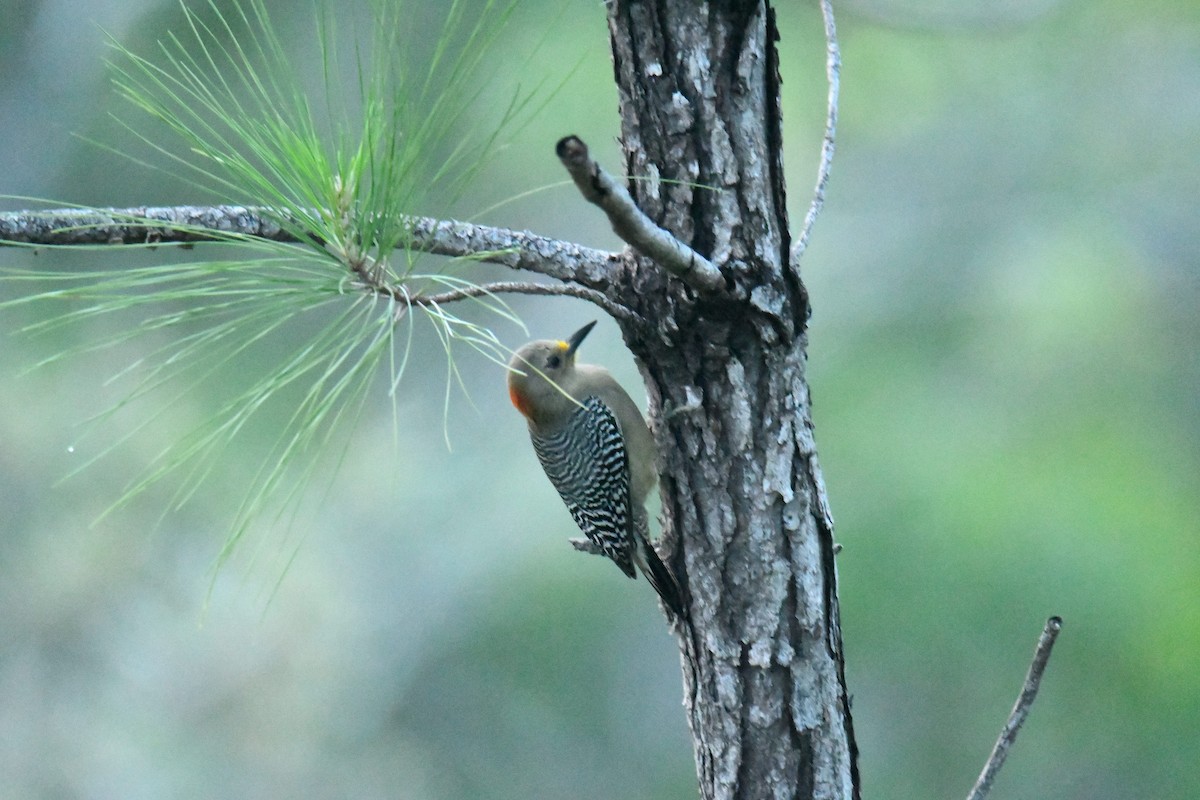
{"type": "Point", "coordinates": [341, 173]}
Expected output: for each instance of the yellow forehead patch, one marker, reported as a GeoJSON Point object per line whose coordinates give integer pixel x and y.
{"type": "Point", "coordinates": [563, 345]}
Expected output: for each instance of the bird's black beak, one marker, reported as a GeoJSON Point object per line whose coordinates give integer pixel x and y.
{"type": "Point", "coordinates": [577, 338]}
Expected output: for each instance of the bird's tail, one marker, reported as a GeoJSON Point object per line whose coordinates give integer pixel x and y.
{"type": "Point", "coordinates": [660, 576]}
{"type": "Point", "coordinates": [663, 581]}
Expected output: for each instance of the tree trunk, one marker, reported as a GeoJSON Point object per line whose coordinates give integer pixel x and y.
{"type": "Point", "coordinates": [746, 522]}
{"type": "Point", "coordinates": [745, 518]}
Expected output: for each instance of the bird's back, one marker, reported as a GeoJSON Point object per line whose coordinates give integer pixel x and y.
{"type": "Point", "coordinates": [639, 443]}
{"type": "Point", "coordinates": [586, 462]}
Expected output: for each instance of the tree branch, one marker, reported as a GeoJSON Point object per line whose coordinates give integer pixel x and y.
{"type": "Point", "coordinates": [631, 223]}
{"type": "Point", "coordinates": [1008, 735]}
{"type": "Point", "coordinates": [184, 224]}
{"type": "Point", "coordinates": [833, 68]}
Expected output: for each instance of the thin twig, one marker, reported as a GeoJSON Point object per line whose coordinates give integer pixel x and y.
{"type": "Point", "coordinates": [631, 223]}
{"type": "Point", "coordinates": [833, 68]}
{"type": "Point", "coordinates": [615, 309]}
{"type": "Point", "coordinates": [185, 224]}
{"type": "Point", "coordinates": [1041, 656]}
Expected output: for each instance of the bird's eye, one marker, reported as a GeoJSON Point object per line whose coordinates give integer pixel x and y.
{"type": "Point", "coordinates": [553, 362]}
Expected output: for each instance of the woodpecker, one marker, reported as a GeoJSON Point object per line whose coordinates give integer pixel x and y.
{"type": "Point", "coordinates": [595, 447]}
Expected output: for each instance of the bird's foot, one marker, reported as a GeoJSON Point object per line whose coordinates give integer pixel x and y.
{"type": "Point", "coordinates": [586, 546]}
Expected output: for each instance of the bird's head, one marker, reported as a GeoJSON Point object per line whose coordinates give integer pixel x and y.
{"type": "Point", "coordinates": [539, 375]}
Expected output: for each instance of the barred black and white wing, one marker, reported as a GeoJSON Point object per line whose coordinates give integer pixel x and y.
{"type": "Point", "coordinates": [587, 463]}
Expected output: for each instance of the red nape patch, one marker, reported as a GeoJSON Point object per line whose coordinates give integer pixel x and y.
{"type": "Point", "coordinates": [518, 400]}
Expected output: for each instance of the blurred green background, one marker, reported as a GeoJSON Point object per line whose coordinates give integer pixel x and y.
{"type": "Point", "coordinates": [1003, 361]}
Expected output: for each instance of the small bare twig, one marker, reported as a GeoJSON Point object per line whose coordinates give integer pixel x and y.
{"type": "Point", "coordinates": [631, 223]}
{"type": "Point", "coordinates": [833, 68]}
{"type": "Point", "coordinates": [184, 224]}
{"type": "Point", "coordinates": [1041, 656]}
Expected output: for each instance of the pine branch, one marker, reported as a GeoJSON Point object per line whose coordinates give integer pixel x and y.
{"type": "Point", "coordinates": [566, 261]}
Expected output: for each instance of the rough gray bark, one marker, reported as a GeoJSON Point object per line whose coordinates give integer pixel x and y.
{"type": "Point", "coordinates": [745, 515]}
